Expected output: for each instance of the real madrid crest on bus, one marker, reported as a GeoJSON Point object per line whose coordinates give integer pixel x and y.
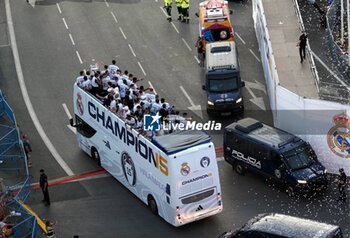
{"type": "Point", "coordinates": [185, 169]}
{"type": "Point", "coordinates": [79, 104]}
{"type": "Point", "coordinates": [338, 137]}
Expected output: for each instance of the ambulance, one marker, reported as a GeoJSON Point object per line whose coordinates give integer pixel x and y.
{"type": "Point", "coordinates": [214, 22]}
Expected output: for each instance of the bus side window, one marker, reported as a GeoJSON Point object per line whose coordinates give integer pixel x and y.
{"type": "Point", "coordinates": [83, 128]}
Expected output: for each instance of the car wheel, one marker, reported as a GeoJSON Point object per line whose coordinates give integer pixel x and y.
{"type": "Point", "coordinates": [239, 169]}
{"type": "Point", "coordinates": [153, 205]}
{"type": "Point", "coordinates": [290, 191]}
{"type": "Point", "coordinates": [95, 155]}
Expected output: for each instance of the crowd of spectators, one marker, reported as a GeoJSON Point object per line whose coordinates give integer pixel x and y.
{"type": "Point", "coordinates": [118, 91]}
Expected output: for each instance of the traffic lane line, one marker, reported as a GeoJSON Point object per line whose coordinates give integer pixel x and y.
{"type": "Point", "coordinates": [151, 85]}
{"type": "Point", "coordinates": [172, 23]}
{"type": "Point", "coordinates": [187, 45]}
{"type": "Point", "coordinates": [121, 30]}
{"type": "Point", "coordinates": [65, 23]}
{"type": "Point", "coordinates": [79, 58]}
{"type": "Point", "coordinates": [143, 71]}
{"type": "Point", "coordinates": [71, 39]}
{"type": "Point", "coordinates": [59, 8]}
{"type": "Point", "coordinates": [240, 38]}
{"type": "Point", "coordinates": [25, 94]}
{"type": "Point", "coordinates": [114, 17]}
{"type": "Point", "coordinates": [256, 57]}
{"type": "Point", "coordinates": [107, 4]}
{"type": "Point", "coordinates": [132, 50]}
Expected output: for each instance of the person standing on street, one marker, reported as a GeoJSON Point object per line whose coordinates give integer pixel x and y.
{"type": "Point", "coordinates": [185, 5]}
{"type": "Point", "coordinates": [199, 46]}
{"type": "Point", "coordinates": [179, 9]}
{"type": "Point", "coordinates": [302, 46]}
{"type": "Point", "coordinates": [168, 5]}
{"type": "Point", "coordinates": [342, 185]}
{"type": "Point", "coordinates": [44, 185]}
{"type": "Point", "coordinates": [27, 149]}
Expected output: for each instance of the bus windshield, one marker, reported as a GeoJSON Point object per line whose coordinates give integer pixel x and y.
{"type": "Point", "coordinates": [223, 82]}
{"type": "Point", "coordinates": [298, 159]}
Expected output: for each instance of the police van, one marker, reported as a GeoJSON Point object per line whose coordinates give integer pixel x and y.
{"type": "Point", "coordinates": [274, 154]}
{"type": "Point", "coordinates": [222, 79]}
{"type": "Point", "coordinates": [283, 226]}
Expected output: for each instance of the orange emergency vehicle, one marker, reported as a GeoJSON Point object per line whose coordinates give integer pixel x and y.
{"type": "Point", "coordinates": [214, 22]}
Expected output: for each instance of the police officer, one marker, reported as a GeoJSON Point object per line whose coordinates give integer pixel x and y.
{"type": "Point", "coordinates": [185, 5]}
{"type": "Point", "coordinates": [179, 9]}
{"type": "Point", "coordinates": [342, 185]}
{"type": "Point", "coordinates": [167, 6]}
{"type": "Point", "coordinates": [44, 185]}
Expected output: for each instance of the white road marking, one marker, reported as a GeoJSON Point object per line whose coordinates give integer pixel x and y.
{"type": "Point", "coordinates": [71, 39]}
{"type": "Point", "coordinates": [81, 62]}
{"type": "Point", "coordinates": [32, 3]}
{"type": "Point", "coordinates": [25, 94]}
{"type": "Point", "coordinates": [132, 50]}
{"type": "Point", "coordinates": [161, 8]}
{"type": "Point", "coordinates": [66, 110]}
{"type": "Point", "coordinates": [150, 84]}
{"type": "Point", "coordinates": [188, 47]}
{"type": "Point", "coordinates": [106, 3]}
{"type": "Point", "coordinates": [73, 129]}
{"type": "Point", "coordinates": [172, 23]}
{"type": "Point", "coordinates": [114, 17]}
{"type": "Point", "coordinates": [258, 101]}
{"type": "Point", "coordinates": [65, 23]}
{"type": "Point", "coordinates": [256, 57]}
{"type": "Point", "coordinates": [240, 38]}
{"type": "Point", "coordinates": [196, 58]}
{"type": "Point", "coordinates": [186, 95]}
{"type": "Point", "coordinates": [1, 46]}
{"type": "Point", "coordinates": [143, 71]}
{"type": "Point", "coordinates": [330, 71]}
{"type": "Point", "coordinates": [59, 8]}
{"type": "Point", "coordinates": [121, 30]}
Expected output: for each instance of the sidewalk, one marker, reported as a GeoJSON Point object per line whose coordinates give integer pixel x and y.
{"type": "Point", "coordinates": [283, 27]}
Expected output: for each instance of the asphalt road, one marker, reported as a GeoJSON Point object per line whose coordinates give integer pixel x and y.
{"type": "Point", "coordinates": [137, 34]}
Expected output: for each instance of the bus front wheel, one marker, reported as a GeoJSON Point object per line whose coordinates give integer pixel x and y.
{"type": "Point", "coordinates": [152, 205]}
{"type": "Point", "coordinates": [95, 155]}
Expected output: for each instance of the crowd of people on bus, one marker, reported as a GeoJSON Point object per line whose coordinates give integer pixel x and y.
{"type": "Point", "coordinates": [118, 91]}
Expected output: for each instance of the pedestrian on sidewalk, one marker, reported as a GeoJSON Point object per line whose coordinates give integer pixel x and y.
{"type": "Point", "coordinates": [302, 46]}
{"type": "Point", "coordinates": [27, 149]}
{"type": "Point", "coordinates": [342, 185]}
{"type": "Point", "coordinates": [44, 185]}
{"type": "Point", "coordinates": [50, 229]}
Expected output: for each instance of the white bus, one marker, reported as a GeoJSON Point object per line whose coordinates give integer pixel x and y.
{"type": "Point", "coordinates": [176, 175]}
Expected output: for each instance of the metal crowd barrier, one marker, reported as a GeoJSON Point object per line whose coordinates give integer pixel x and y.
{"type": "Point", "coordinates": [339, 56]}
{"type": "Point", "coordinates": [308, 48]}
{"type": "Point", "coordinates": [12, 156]}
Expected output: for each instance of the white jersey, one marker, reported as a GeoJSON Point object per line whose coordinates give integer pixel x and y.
{"type": "Point", "coordinates": [112, 69]}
